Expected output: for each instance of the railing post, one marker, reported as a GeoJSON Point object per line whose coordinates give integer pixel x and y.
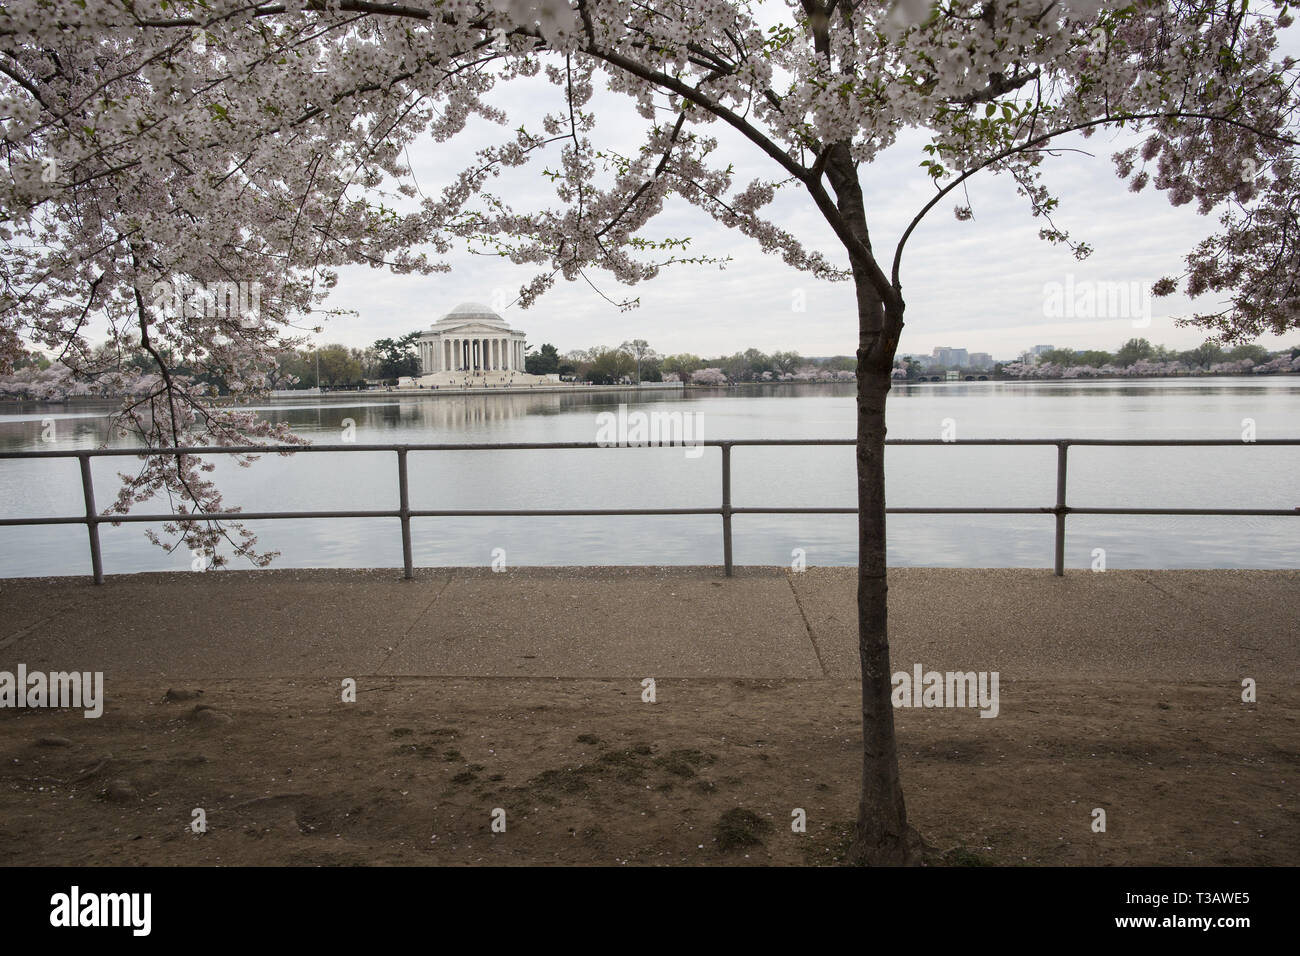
{"type": "Point", "coordinates": [404, 505]}
{"type": "Point", "coordinates": [1061, 449]}
{"type": "Point", "coordinates": [92, 519]}
{"type": "Point", "coordinates": [726, 507]}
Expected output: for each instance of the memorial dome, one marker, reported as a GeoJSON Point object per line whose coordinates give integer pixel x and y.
{"type": "Point", "coordinates": [471, 312]}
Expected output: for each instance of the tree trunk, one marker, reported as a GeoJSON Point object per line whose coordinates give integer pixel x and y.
{"type": "Point", "coordinates": [882, 835]}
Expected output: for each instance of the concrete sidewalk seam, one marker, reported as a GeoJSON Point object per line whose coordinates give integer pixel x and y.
{"type": "Point", "coordinates": [451, 573]}
{"type": "Point", "coordinates": [17, 636]}
{"type": "Point", "coordinates": [1145, 578]}
{"type": "Point", "coordinates": [812, 639]}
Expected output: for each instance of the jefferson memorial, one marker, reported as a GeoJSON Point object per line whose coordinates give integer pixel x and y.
{"type": "Point", "coordinates": [472, 346]}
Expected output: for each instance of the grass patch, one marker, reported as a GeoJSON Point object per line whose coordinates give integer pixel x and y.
{"type": "Point", "coordinates": [422, 750]}
{"type": "Point", "coordinates": [738, 828]}
{"type": "Point", "coordinates": [960, 856]}
{"type": "Point", "coordinates": [684, 763]}
{"type": "Point", "coordinates": [568, 780]}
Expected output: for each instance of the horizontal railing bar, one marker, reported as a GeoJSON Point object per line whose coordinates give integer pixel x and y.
{"type": "Point", "coordinates": [708, 443]}
{"type": "Point", "coordinates": [897, 511]}
{"type": "Point", "coordinates": [635, 512]}
{"type": "Point", "coordinates": [79, 519]}
{"type": "Point", "coordinates": [1003, 441]}
{"type": "Point", "coordinates": [414, 513]}
{"type": "Point", "coordinates": [243, 516]}
{"type": "Point", "coordinates": [564, 512]}
{"type": "Point", "coordinates": [1152, 442]}
{"type": "Point", "coordinates": [1279, 512]}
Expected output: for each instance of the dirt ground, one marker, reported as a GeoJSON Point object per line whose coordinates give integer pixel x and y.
{"type": "Point", "coordinates": [588, 773]}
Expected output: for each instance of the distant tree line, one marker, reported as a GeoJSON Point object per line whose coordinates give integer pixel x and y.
{"type": "Point", "coordinates": [1139, 358]}
{"type": "Point", "coordinates": [328, 366]}
{"type": "Point", "coordinates": [635, 361]}
{"type": "Point", "coordinates": [337, 366]}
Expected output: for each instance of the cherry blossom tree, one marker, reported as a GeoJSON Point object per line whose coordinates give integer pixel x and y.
{"type": "Point", "coordinates": [708, 376]}
{"type": "Point", "coordinates": [158, 152]}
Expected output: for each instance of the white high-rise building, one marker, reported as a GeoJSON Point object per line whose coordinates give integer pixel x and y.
{"type": "Point", "coordinates": [958, 358]}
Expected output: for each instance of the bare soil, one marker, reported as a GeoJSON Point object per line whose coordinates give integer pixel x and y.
{"type": "Point", "coordinates": [588, 773]}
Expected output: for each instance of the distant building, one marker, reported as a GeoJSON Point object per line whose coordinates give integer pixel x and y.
{"type": "Point", "coordinates": [471, 338]}
{"type": "Point", "coordinates": [981, 360]}
{"type": "Point", "coordinates": [472, 347]}
{"type": "Point", "coordinates": [1030, 356]}
{"type": "Point", "coordinates": [958, 358]}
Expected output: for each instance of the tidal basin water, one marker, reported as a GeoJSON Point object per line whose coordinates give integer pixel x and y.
{"type": "Point", "coordinates": [1239, 476]}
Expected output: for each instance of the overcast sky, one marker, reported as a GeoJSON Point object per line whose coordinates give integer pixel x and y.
{"type": "Point", "coordinates": [978, 285]}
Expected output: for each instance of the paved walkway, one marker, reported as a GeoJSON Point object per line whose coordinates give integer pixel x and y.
{"type": "Point", "coordinates": [661, 622]}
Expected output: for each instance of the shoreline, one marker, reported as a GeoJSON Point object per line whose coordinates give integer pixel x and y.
{"type": "Point", "coordinates": [295, 395]}
{"type": "Point", "coordinates": [302, 395]}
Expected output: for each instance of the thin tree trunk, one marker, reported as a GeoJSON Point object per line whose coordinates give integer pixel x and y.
{"type": "Point", "coordinates": [882, 836]}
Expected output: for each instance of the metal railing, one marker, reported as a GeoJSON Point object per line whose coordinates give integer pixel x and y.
{"type": "Point", "coordinates": [92, 519]}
